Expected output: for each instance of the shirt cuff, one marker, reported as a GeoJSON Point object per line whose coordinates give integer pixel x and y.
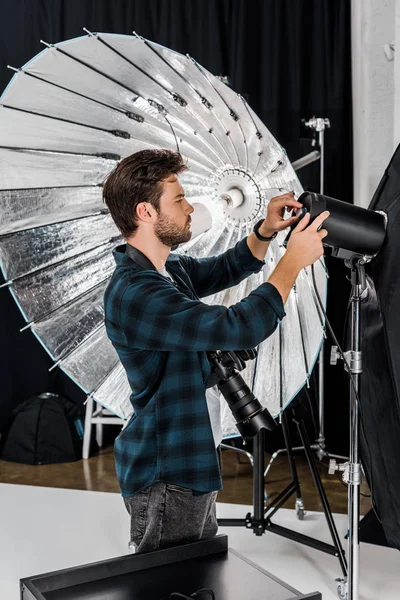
{"type": "Point", "coordinates": [273, 297]}
{"type": "Point", "coordinates": [245, 258]}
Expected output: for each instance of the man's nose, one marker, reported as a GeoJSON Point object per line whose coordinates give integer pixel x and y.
{"type": "Point", "coordinates": [191, 209]}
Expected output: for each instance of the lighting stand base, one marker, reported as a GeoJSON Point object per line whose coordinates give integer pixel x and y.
{"type": "Point", "coordinates": [261, 520]}
{"type": "Point", "coordinates": [341, 588]}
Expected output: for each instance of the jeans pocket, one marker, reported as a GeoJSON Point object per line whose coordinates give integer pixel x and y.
{"type": "Point", "coordinates": [172, 487]}
{"type": "Point", "coordinates": [137, 506]}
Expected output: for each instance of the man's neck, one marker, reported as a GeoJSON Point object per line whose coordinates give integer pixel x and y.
{"type": "Point", "coordinates": [152, 248]}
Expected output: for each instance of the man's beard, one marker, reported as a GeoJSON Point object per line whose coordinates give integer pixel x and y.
{"type": "Point", "coordinates": [169, 233]}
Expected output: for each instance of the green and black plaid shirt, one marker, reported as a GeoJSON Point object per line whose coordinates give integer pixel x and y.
{"type": "Point", "coordinates": [161, 332]}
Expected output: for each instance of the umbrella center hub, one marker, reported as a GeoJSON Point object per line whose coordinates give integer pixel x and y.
{"type": "Point", "coordinates": [239, 196]}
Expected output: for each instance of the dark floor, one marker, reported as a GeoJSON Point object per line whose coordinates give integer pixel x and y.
{"type": "Point", "coordinates": [98, 474]}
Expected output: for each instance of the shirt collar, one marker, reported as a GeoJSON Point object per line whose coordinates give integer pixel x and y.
{"type": "Point", "coordinates": [123, 259]}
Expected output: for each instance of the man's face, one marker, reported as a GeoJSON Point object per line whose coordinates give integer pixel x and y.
{"type": "Point", "coordinates": [173, 224]}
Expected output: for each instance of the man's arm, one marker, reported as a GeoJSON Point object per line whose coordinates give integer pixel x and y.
{"type": "Point", "coordinates": [213, 274]}
{"type": "Point", "coordinates": [153, 314]}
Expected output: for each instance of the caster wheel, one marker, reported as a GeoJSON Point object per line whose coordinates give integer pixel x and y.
{"type": "Point", "coordinates": [300, 512]}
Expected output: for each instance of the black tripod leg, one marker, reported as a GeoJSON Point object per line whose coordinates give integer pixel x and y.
{"type": "Point", "coordinates": [290, 455]}
{"type": "Point", "coordinates": [321, 492]}
{"type": "Point", "coordinates": [258, 483]}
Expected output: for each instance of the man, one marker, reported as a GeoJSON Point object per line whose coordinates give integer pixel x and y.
{"type": "Point", "coordinates": [167, 454]}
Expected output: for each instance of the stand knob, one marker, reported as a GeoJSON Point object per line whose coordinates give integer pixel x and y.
{"type": "Point", "coordinates": [335, 355]}
{"type": "Point", "coordinates": [333, 467]}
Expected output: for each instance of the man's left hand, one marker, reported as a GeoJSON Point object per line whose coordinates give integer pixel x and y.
{"type": "Point", "coordinates": [274, 220]}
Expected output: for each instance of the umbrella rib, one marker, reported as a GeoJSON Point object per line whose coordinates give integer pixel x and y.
{"type": "Point", "coordinates": [92, 68]}
{"type": "Point", "coordinates": [173, 133]}
{"type": "Point", "coordinates": [108, 156]}
{"type": "Point", "coordinates": [131, 115]}
{"type": "Point", "coordinates": [258, 132]}
{"type": "Point", "coordinates": [303, 345]}
{"type": "Point", "coordinates": [114, 132]}
{"type": "Point", "coordinates": [231, 111]}
{"type": "Point", "coordinates": [46, 188]}
{"type": "Point", "coordinates": [316, 304]}
{"type": "Point", "coordinates": [181, 101]}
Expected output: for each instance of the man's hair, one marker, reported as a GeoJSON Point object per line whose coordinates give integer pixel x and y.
{"type": "Point", "coordinates": [138, 178]}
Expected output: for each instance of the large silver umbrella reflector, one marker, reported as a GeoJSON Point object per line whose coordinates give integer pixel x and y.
{"type": "Point", "coordinates": [66, 118]}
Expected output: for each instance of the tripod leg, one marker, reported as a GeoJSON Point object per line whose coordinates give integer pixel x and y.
{"type": "Point", "coordinates": [292, 465]}
{"type": "Point", "coordinates": [258, 483]}
{"type": "Point", "coordinates": [321, 492]}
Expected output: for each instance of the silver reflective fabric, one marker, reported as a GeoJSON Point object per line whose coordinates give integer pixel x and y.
{"type": "Point", "coordinates": [66, 119]}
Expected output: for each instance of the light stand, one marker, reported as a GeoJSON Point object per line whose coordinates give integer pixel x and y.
{"type": "Point", "coordinates": [319, 125]}
{"type": "Point", "coordinates": [355, 235]}
{"type": "Point", "coordinates": [352, 474]}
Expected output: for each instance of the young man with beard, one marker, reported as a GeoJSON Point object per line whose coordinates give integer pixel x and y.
{"type": "Point", "coordinates": [167, 454]}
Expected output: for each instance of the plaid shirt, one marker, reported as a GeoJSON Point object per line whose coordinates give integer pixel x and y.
{"type": "Point", "coordinates": [161, 332]}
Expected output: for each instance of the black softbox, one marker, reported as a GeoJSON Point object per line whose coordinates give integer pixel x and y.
{"type": "Point", "coordinates": [380, 344]}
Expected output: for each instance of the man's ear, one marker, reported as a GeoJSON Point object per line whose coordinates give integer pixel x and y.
{"type": "Point", "coordinates": [145, 212]}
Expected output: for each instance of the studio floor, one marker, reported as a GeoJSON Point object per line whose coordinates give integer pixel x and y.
{"type": "Point", "coordinates": [58, 516]}
{"type": "Point", "coordinates": [46, 529]}
{"type": "Point", "coordinates": [98, 474]}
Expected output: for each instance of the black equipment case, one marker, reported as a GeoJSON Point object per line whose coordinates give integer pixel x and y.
{"type": "Point", "coordinates": [154, 576]}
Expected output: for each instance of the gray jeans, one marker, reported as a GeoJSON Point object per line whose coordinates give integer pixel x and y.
{"type": "Point", "coordinates": [165, 515]}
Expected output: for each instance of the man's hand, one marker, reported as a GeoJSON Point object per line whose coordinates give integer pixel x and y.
{"type": "Point", "coordinates": [274, 220]}
{"type": "Point", "coordinates": [303, 249]}
{"type": "Point", "coordinates": [305, 243]}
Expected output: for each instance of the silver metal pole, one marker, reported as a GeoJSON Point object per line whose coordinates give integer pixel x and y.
{"type": "Point", "coordinates": [348, 588]}
{"type": "Point", "coordinates": [321, 379]}
{"type": "Point", "coordinates": [354, 462]}
{"type": "Point", "coordinates": [319, 125]}
{"type": "Point", "coordinates": [321, 141]}
{"type": "Point", "coordinates": [321, 398]}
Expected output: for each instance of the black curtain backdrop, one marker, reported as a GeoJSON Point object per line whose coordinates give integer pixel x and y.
{"type": "Point", "coordinates": [291, 59]}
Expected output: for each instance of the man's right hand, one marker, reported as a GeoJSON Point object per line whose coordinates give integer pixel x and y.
{"type": "Point", "coordinates": [303, 249]}
{"type": "Point", "coordinates": [305, 243]}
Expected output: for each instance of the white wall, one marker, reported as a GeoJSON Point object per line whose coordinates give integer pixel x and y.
{"type": "Point", "coordinates": [396, 128]}
{"type": "Point", "coordinates": [374, 24]}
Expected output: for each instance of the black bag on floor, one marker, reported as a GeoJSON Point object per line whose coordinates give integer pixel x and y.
{"type": "Point", "coordinates": [44, 429]}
